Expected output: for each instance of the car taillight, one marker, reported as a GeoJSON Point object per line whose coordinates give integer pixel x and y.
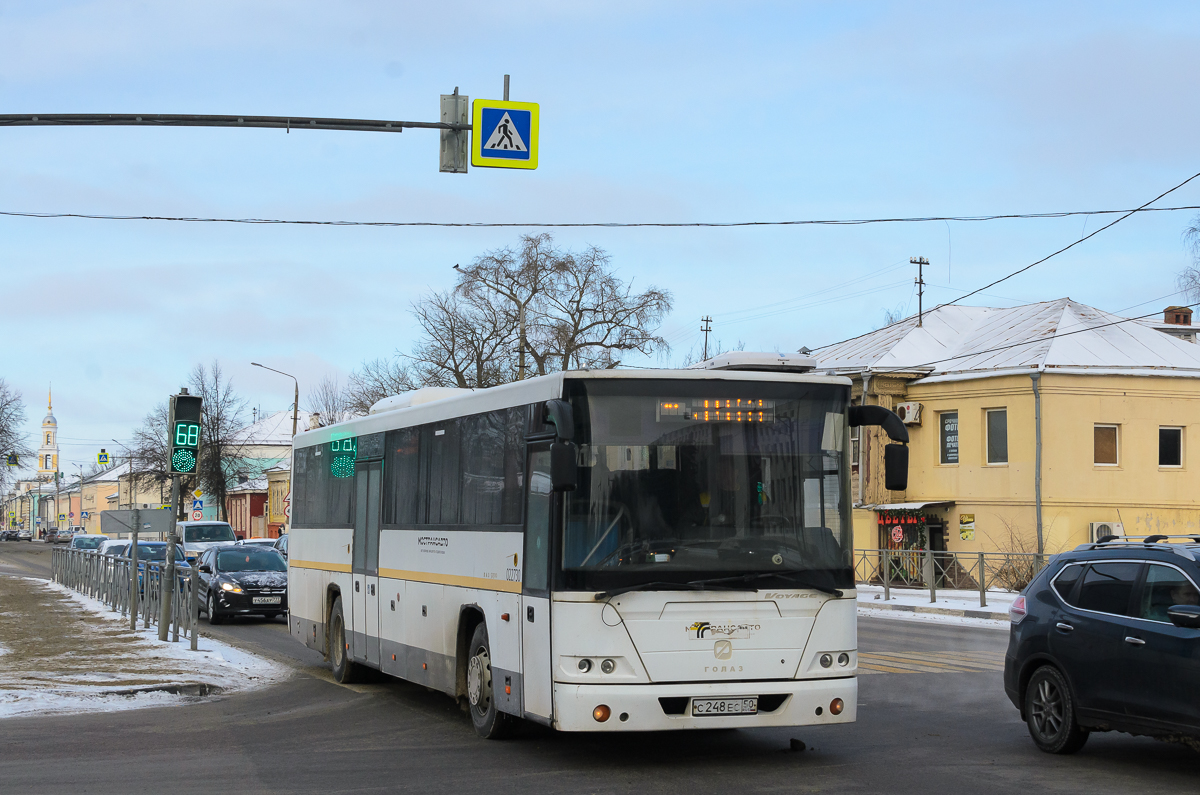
{"type": "Point", "coordinates": [1017, 612]}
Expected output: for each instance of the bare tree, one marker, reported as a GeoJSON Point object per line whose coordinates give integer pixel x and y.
{"type": "Point", "coordinates": [151, 449]}
{"type": "Point", "coordinates": [328, 399]}
{"type": "Point", "coordinates": [576, 310]}
{"type": "Point", "coordinates": [592, 316]}
{"type": "Point", "coordinates": [13, 440]}
{"type": "Point", "coordinates": [1189, 278]}
{"type": "Point", "coordinates": [377, 379]}
{"type": "Point", "coordinates": [519, 279]}
{"type": "Point", "coordinates": [221, 426]}
{"type": "Point", "coordinates": [467, 342]}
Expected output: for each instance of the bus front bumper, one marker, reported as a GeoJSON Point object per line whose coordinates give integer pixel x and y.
{"type": "Point", "coordinates": [669, 707]}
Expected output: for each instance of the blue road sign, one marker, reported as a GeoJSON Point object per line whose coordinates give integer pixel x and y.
{"type": "Point", "coordinates": [505, 134]}
{"type": "Point", "coordinates": [197, 505]}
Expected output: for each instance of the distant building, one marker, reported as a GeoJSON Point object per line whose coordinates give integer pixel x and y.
{"type": "Point", "coordinates": [1054, 415]}
{"type": "Point", "coordinates": [47, 462]}
{"type": "Point", "coordinates": [1177, 321]}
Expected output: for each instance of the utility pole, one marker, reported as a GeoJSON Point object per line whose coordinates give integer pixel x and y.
{"type": "Point", "coordinates": [920, 262]}
{"type": "Point", "coordinates": [707, 327]}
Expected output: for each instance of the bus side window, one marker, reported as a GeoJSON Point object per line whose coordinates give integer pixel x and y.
{"type": "Point", "coordinates": [537, 523]}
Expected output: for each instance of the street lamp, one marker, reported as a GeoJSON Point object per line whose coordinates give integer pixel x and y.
{"type": "Point", "coordinates": [80, 517]}
{"type": "Point", "coordinates": [296, 403]}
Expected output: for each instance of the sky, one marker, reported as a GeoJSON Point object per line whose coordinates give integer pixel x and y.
{"type": "Point", "coordinates": [650, 111]}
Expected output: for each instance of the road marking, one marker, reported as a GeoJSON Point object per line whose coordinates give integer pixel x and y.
{"type": "Point", "coordinates": [930, 662]}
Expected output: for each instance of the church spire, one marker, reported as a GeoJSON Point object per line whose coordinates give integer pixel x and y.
{"type": "Point", "coordinates": [50, 399]}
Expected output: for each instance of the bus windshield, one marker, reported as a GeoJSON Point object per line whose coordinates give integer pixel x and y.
{"type": "Point", "coordinates": [205, 533]}
{"type": "Point", "coordinates": [681, 480]}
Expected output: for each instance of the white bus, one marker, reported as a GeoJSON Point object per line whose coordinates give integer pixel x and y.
{"type": "Point", "coordinates": [593, 550]}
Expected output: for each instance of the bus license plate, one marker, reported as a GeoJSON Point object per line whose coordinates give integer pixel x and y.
{"type": "Point", "coordinates": [725, 706]}
{"type": "Point", "coordinates": [267, 600]}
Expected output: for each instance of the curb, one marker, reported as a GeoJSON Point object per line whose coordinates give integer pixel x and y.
{"type": "Point", "coordinates": [938, 611]}
{"type": "Point", "coordinates": [193, 689]}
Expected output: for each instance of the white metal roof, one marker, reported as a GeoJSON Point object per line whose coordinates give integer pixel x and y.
{"type": "Point", "coordinates": [272, 429]}
{"type": "Point", "coordinates": [973, 341]}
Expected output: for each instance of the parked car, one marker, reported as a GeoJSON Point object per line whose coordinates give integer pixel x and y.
{"type": "Point", "coordinates": [115, 547]}
{"type": "Point", "coordinates": [195, 537]}
{"type": "Point", "coordinates": [241, 580]}
{"type": "Point", "coordinates": [24, 535]}
{"type": "Point", "coordinates": [49, 535]}
{"type": "Point", "coordinates": [64, 535]}
{"type": "Point", "coordinates": [8, 535]}
{"type": "Point", "coordinates": [257, 542]}
{"type": "Point", "coordinates": [89, 542]}
{"type": "Point", "coordinates": [1105, 639]}
{"type": "Point", "coordinates": [281, 545]}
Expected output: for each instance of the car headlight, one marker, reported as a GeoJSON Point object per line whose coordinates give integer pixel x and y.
{"type": "Point", "coordinates": [228, 586]}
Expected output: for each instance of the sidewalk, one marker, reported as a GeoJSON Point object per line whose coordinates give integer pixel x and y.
{"type": "Point", "coordinates": [914, 602]}
{"type": "Point", "coordinates": [61, 652]}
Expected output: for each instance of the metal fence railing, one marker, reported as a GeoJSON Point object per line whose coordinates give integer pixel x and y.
{"type": "Point", "coordinates": [111, 581]}
{"type": "Point", "coordinates": [958, 571]}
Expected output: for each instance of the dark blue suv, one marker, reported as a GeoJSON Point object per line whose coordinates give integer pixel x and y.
{"type": "Point", "coordinates": [1107, 638]}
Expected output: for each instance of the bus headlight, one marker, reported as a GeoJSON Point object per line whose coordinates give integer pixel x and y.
{"type": "Point", "coordinates": [826, 660]}
{"type": "Point", "coordinates": [601, 713]}
{"type": "Point", "coordinates": [608, 666]}
{"type": "Point", "coordinates": [843, 659]}
{"type": "Point", "coordinates": [585, 665]}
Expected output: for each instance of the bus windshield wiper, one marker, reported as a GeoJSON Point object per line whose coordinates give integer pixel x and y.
{"type": "Point", "coordinates": [661, 586]}
{"type": "Point", "coordinates": [781, 575]}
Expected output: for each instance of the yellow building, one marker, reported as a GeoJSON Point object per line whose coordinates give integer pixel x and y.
{"type": "Point", "coordinates": [1054, 420]}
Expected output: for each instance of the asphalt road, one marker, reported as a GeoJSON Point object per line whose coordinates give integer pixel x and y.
{"type": "Point", "coordinates": [940, 724]}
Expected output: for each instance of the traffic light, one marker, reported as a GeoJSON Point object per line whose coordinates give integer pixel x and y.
{"type": "Point", "coordinates": [184, 430]}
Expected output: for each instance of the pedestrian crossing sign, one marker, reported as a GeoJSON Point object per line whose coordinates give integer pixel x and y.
{"type": "Point", "coordinates": [504, 134]}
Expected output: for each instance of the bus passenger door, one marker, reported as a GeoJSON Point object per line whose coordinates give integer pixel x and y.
{"type": "Point", "coordinates": [536, 665]}
{"type": "Point", "coordinates": [364, 643]}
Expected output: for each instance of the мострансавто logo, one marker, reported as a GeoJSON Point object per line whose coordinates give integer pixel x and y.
{"type": "Point", "coordinates": [705, 629]}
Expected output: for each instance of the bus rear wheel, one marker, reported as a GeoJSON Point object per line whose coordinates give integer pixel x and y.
{"type": "Point", "coordinates": [490, 723]}
{"type": "Point", "coordinates": [344, 671]}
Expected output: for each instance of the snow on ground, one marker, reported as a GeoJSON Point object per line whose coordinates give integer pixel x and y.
{"type": "Point", "coordinates": [871, 603]}
{"type": "Point", "coordinates": [69, 653]}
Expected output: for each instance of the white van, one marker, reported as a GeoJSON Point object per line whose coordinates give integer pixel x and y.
{"type": "Point", "coordinates": [195, 537]}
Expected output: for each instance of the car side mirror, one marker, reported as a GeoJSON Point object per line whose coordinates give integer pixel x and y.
{"type": "Point", "coordinates": [895, 467]}
{"type": "Point", "coordinates": [205, 568]}
{"type": "Point", "coordinates": [1185, 616]}
{"type": "Point", "coordinates": [564, 469]}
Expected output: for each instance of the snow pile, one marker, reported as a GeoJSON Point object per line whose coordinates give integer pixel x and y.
{"type": "Point", "coordinates": [62, 660]}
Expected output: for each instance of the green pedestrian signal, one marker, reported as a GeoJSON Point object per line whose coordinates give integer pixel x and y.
{"type": "Point", "coordinates": [184, 429]}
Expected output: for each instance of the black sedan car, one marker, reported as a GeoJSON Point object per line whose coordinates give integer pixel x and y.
{"type": "Point", "coordinates": [242, 580]}
{"type": "Point", "coordinates": [1106, 638]}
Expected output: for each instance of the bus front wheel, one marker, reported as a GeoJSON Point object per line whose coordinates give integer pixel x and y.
{"type": "Point", "coordinates": [344, 671]}
{"type": "Point", "coordinates": [490, 723]}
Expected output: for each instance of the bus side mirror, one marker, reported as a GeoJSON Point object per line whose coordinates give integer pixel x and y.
{"type": "Point", "coordinates": [564, 471]}
{"type": "Point", "coordinates": [895, 467]}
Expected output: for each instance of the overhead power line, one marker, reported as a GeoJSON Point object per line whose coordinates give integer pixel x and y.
{"type": "Point", "coordinates": [1127, 213]}
{"type": "Point", "coordinates": [605, 224]}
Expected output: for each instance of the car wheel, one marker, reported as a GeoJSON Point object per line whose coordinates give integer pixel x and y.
{"type": "Point", "coordinates": [490, 723]}
{"type": "Point", "coordinates": [1050, 713]}
{"type": "Point", "coordinates": [344, 670]}
{"type": "Point", "coordinates": [213, 617]}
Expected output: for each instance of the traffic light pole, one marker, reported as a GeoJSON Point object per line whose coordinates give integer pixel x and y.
{"type": "Point", "coordinates": [168, 583]}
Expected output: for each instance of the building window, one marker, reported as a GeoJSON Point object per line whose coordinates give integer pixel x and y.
{"type": "Point", "coordinates": [1170, 447]}
{"type": "Point", "coordinates": [997, 436]}
{"type": "Point", "coordinates": [1105, 445]}
{"type": "Point", "coordinates": [948, 422]}
{"type": "Point", "coordinates": [47, 438]}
